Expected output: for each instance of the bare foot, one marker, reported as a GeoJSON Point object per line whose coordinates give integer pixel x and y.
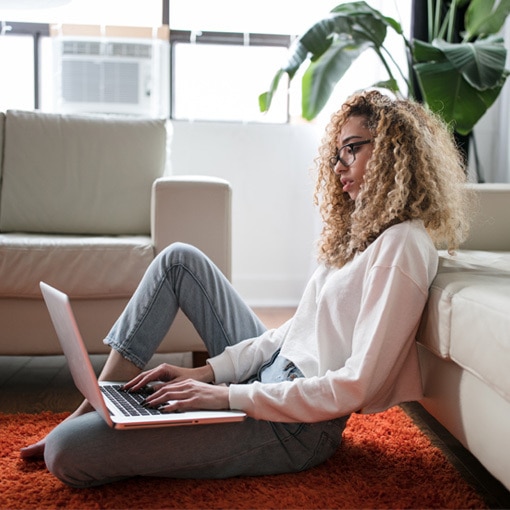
{"type": "Point", "coordinates": [36, 450]}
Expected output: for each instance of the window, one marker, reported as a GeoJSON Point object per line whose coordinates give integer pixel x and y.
{"type": "Point", "coordinates": [17, 55]}
{"type": "Point", "coordinates": [19, 58]}
{"type": "Point", "coordinates": [218, 76]}
{"type": "Point", "coordinates": [226, 52]}
{"type": "Point", "coordinates": [222, 54]}
{"type": "Point", "coordinates": [222, 80]}
{"type": "Point", "coordinates": [27, 52]}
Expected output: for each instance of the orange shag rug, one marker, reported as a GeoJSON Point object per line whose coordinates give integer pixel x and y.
{"type": "Point", "coordinates": [385, 461]}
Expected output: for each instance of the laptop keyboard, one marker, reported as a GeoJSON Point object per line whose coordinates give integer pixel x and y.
{"type": "Point", "coordinates": [130, 404]}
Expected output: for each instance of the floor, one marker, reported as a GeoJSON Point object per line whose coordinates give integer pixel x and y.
{"type": "Point", "coordinates": [34, 384]}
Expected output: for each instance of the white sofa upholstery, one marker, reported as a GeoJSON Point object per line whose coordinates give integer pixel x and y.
{"type": "Point", "coordinates": [464, 337]}
{"type": "Point", "coordinates": [85, 205]}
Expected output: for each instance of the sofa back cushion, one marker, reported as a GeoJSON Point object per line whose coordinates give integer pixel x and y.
{"type": "Point", "coordinates": [490, 230]}
{"type": "Point", "coordinates": [80, 174]}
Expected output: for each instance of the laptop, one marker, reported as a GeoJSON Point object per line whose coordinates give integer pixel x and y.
{"type": "Point", "coordinates": [119, 409]}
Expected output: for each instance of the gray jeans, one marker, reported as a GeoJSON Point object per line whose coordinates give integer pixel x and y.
{"type": "Point", "coordinates": [85, 452]}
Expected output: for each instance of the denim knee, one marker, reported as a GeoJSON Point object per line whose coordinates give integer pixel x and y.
{"type": "Point", "coordinates": [75, 451]}
{"type": "Point", "coordinates": [180, 253]}
{"type": "Point", "coordinates": [59, 456]}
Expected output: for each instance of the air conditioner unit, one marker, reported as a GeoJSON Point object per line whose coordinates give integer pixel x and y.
{"type": "Point", "coordinates": [106, 75]}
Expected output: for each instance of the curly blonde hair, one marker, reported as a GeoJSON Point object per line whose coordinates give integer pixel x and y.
{"type": "Point", "coordinates": [415, 172]}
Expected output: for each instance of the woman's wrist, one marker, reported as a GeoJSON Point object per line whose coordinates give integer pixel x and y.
{"type": "Point", "coordinates": [204, 374]}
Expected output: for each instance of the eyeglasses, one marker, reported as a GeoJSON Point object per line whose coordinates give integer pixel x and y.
{"type": "Point", "coordinates": [347, 154]}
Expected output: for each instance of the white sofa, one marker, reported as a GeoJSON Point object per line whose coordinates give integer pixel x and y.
{"type": "Point", "coordinates": [85, 205]}
{"type": "Point", "coordinates": [464, 337]}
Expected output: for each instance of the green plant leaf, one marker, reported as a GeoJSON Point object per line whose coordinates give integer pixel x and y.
{"type": "Point", "coordinates": [483, 17]}
{"type": "Point", "coordinates": [458, 103]}
{"type": "Point", "coordinates": [322, 75]}
{"type": "Point", "coordinates": [266, 98]}
{"type": "Point", "coordinates": [427, 52]}
{"type": "Point", "coordinates": [314, 42]}
{"type": "Point", "coordinates": [481, 63]}
{"type": "Point", "coordinates": [351, 25]}
{"type": "Point", "coordinates": [387, 84]}
{"type": "Point", "coordinates": [459, 81]}
{"type": "Point", "coordinates": [368, 18]}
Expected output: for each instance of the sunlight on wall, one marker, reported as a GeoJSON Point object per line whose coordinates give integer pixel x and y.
{"type": "Point", "coordinates": [95, 12]}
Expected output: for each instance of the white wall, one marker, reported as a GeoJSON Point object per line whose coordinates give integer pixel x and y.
{"type": "Point", "coordinates": [275, 223]}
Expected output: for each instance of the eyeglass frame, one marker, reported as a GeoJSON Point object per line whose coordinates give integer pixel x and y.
{"type": "Point", "coordinates": [335, 159]}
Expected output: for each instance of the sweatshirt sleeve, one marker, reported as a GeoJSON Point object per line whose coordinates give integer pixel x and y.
{"type": "Point", "coordinates": [241, 361]}
{"type": "Point", "coordinates": [383, 350]}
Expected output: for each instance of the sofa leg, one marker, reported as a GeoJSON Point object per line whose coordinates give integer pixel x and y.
{"type": "Point", "coordinates": [199, 358]}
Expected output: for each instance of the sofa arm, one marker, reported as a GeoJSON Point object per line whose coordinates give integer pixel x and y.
{"type": "Point", "coordinates": [194, 210]}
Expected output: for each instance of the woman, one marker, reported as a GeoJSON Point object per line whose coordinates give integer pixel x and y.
{"type": "Point", "coordinates": [390, 190]}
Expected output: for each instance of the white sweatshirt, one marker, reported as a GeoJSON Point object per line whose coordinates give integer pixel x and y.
{"type": "Point", "coordinates": [353, 337]}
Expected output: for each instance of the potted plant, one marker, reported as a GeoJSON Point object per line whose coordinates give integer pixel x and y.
{"type": "Point", "coordinates": [458, 79]}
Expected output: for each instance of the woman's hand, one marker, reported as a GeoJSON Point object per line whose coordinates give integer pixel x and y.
{"type": "Point", "coordinates": [168, 373]}
{"type": "Point", "coordinates": [185, 388]}
{"type": "Point", "coordinates": [188, 394]}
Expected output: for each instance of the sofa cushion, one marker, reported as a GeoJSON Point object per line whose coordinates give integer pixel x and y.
{"type": "Point", "coordinates": [83, 267]}
{"type": "Point", "coordinates": [467, 316]}
{"type": "Point", "coordinates": [80, 174]}
{"type": "Point", "coordinates": [490, 229]}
